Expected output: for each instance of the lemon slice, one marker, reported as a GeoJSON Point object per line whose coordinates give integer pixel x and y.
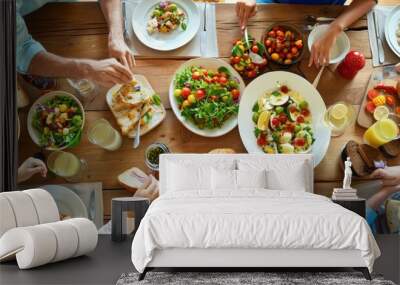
{"type": "Point", "coordinates": [339, 111]}
{"type": "Point", "coordinates": [381, 112]}
{"type": "Point", "coordinates": [263, 120]}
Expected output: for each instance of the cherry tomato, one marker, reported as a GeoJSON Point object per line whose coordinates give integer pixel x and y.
{"type": "Point", "coordinates": [282, 118]}
{"type": "Point", "coordinates": [292, 109]}
{"type": "Point", "coordinates": [300, 119]}
{"type": "Point", "coordinates": [284, 89]}
{"type": "Point", "coordinates": [397, 110]}
{"type": "Point", "coordinates": [305, 112]}
{"type": "Point", "coordinates": [268, 43]}
{"type": "Point", "coordinates": [275, 122]}
{"type": "Point", "coordinates": [235, 94]}
{"type": "Point", "coordinates": [205, 72]}
{"type": "Point", "coordinates": [289, 128]}
{"type": "Point", "coordinates": [214, 98]}
{"type": "Point", "coordinates": [372, 94]}
{"type": "Point", "coordinates": [200, 94]}
{"type": "Point", "coordinates": [390, 100]}
{"type": "Point", "coordinates": [215, 79]}
{"type": "Point", "coordinates": [251, 74]}
{"type": "Point", "coordinates": [370, 107]}
{"type": "Point", "coordinates": [223, 80]}
{"type": "Point", "coordinates": [196, 75]}
{"type": "Point", "coordinates": [272, 34]}
{"type": "Point", "coordinates": [255, 49]}
{"type": "Point", "coordinates": [208, 79]}
{"type": "Point", "coordinates": [236, 59]}
{"type": "Point", "coordinates": [185, 92]}
{"type": "Point", "coordinates": [261, 141]}
{"type": "Point", "coordinates": [251, 66]}
{"type": "Point", "coordinates": [294, 50]}
{"type": "Point", "coordinates": [280, 33]}
{"type": "Point", "coordinates": [299, 142]}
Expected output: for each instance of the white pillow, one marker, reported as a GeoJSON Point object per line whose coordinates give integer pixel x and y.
{"type": "Point", "coordinates": [223, 179]}
{"type": "Point", "coordinates": [284, 172]}
{"type": "Point", "coordinates": [251, 179]}
{"type": "Point", "coordinates": [183, 177]}
{"type": "Point", "coordinates": [296, 181]}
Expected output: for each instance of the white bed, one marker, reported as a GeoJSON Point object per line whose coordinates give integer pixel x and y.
{"type": "Point", "coordinates": [200, 223]}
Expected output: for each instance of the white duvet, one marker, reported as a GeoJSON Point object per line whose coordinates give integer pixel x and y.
{"type": "Point", "coordinates": [250, 219]}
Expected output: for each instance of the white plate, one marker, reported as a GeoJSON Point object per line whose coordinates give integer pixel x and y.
{"type": "Point", "coordinates": [391, 25]}
{"type": "Point", "coordinates": [68, 202]}
{"type": "Point", "coordinates": [267, 82]}
{"type": "Point", "coordinates": [342, 44]}
{"type": "Point", "coordinates": [208, 63]}
{"type": "Point", "coordinates": [165, 41]}
{"type": "Point", "coordinates": [34, 134]}
{"type": "Point", "coordinates": [142, 81]}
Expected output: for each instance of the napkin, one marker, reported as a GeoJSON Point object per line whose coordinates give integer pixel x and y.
{"type": "Point", "coordinates": [204, 44]}
{"type": "Point", "coordinates": [381, 12]}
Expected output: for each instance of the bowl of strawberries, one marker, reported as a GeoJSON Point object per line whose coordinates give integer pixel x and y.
{"type": "Point", "coordinates": [284, 44]}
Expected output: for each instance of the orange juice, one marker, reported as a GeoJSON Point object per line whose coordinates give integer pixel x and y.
{"type": "Point", "coordinates": [383, 131]}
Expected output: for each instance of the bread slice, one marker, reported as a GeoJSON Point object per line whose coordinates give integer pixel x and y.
{"type": "Point", "coordinates": [369, 155]}
{"type": "Point", "coordinates": [133, 179]}
{"type": "Point", "coordinates": [359, 167]}
{"type": "Point", "coordinates": [391, 149]}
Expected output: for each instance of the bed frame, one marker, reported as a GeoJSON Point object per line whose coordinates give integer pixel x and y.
{"type": "Point", "coordinates": [240, 259]}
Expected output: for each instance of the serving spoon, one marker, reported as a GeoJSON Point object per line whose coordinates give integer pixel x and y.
{"type": "Point", "coordinates": [256, 58]}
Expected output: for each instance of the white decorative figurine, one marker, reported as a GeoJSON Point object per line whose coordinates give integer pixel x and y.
{"type": "Point", "coordinates": [347, 174]}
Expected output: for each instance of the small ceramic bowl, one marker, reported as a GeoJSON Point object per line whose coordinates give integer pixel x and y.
{"type": "Point", "coordinates": [340, 48]}
{"type": "Point", "coordinates": [298, 35]}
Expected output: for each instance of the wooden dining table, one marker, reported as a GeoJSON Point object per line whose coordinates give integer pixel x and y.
{"type": "Point", "coordinates": [79, 30]}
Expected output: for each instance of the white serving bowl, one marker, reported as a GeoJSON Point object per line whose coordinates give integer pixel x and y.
{"type": "Point", "coordinates": [34, 134]}
{"type": "Point", "coordinates": [340, 48]}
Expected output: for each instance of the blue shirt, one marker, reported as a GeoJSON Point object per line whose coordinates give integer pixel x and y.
{"type": "Point", "coordinates": [26, 46]}
{"type": "Point", "coordinates": [310, 2]}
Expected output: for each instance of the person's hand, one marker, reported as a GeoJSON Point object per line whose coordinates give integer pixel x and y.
{"type": "Point", "coordinates": [244, 10]}
{"type": "Point", "coordinates": [390, 175]}
{"type": "Point", "coordinates": [107, 72]}
{"type": "Point", "coordinates": [30, 167]}
{"type": "Point", "coordinates": [120, 51]}
{"type": "Point", "coordinates": [320, 50]}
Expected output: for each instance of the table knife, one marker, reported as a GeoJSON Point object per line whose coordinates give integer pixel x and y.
{"type": "Point", "coordinates": [381, 53]}
{"type": "Point", "coordinates": [203, 32]}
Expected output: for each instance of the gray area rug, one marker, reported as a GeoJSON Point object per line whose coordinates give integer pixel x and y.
{"type": "Point", "coordinates": [243, 278]}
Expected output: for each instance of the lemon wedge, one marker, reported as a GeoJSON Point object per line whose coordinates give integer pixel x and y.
{"type": "Point", "coordinates": [381, 112]}
{"type": "Point", "coordinates": [263, 120]}
{"type": "Point", "coordinates": [339, 111]}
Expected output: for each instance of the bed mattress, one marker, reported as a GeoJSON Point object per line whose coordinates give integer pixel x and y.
{"type": "Point", "coordinates": [250, 219]}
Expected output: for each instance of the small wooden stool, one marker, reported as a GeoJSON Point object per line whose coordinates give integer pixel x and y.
{"type": "Point", "coordinates": [137, 205]}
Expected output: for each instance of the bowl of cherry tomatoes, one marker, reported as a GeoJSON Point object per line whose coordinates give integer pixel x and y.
{"type": "Point", "coordinates": [284, 44]}
{"type": "Point", "coordinates": [241, 61]}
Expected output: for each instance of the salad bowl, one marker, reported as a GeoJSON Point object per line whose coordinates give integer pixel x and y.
{"type": "Point", "coordinates": [36, 135]}
{"type": "Point", "coordinates": [209, 64]}
{"type": "Point", "coordinates": [268, 82]}
{"type": "Point", "coordinates": [173, 39]}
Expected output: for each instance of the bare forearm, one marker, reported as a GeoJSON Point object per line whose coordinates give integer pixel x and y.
{"type": "Point", "coordinates": [113, 15]}
{"type": "Point", "coordinates": [379, 198]}
{"type": "Point", "coordinates": [51, 65]}
{"type": "Point", "coordinates": [352, 13]}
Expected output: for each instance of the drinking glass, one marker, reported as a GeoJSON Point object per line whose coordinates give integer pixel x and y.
{"type": "Point", "coordinates": [66, 165]}
{"type": "Point", "coordinates": [338, 117]}
{"type": "Point", "coordinates": [381, 132]}
{"type": "Point", "coordinates": [104, 135]}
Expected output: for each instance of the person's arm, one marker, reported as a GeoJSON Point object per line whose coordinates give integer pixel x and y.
{"type": "Point", "coordinates": [381, 196]}
{"type": "Point", "coordinates": [245, 9]}
{"type": "Point", "coordinates": [321, 48]}
{"type": "Point", "coordinates": [32, 58]}
{"type": "Point", "coordinates": [118, 49]}
{"type": "Point", "coordinates": [106, 72]}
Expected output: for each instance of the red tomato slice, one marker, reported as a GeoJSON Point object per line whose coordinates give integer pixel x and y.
{"type": "Point", "coordinates": [390, 100]}
{"type": "Point", "coordinates": [261, 141]}
{"type": "Point", "coordinates": [372, 94]}
{"type": "Point", "coordinates": [370, 107]}
{"type": "Point", "coordinates": [300, 119]}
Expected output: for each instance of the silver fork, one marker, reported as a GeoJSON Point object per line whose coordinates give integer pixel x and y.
{"type": "Point", "coordinates": [256, 58]}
